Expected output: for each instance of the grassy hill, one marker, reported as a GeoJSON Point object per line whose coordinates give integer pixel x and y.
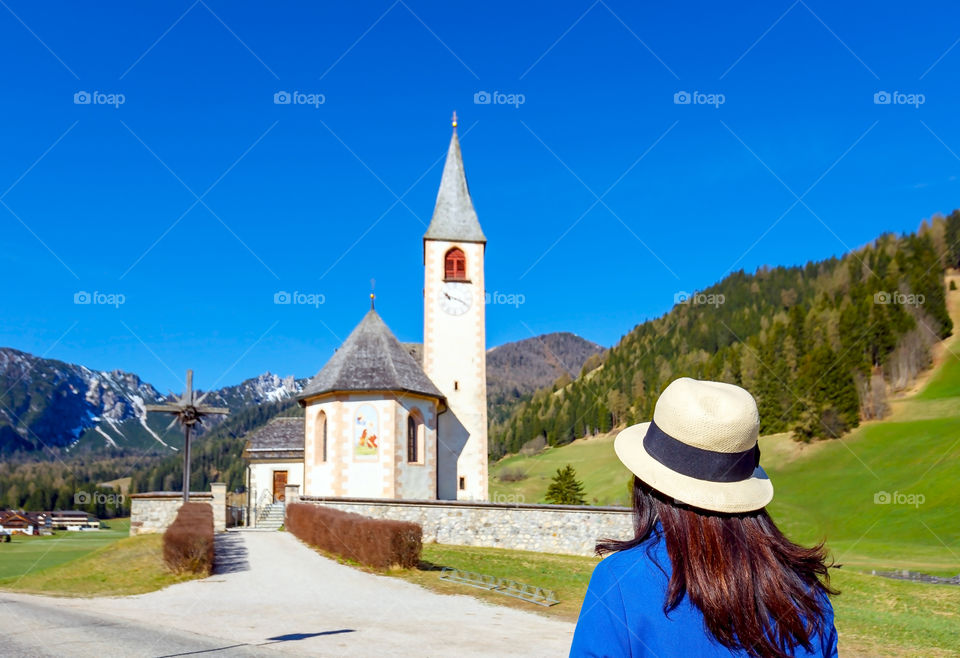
{"type": "Point", "coordinates": [826, 489]}
{"type": "Point", "coordinates": [604, 477]}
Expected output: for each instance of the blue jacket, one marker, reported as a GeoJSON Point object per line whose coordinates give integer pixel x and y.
{"type": "Point", "coordinates": [622, 613]}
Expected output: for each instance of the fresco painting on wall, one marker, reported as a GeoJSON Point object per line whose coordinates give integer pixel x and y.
{"type": "Point", "coordinates": [366, 432]}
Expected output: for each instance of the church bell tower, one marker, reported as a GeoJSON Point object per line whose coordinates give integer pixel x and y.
{"type": "Point", "coordinates": [454, 332]}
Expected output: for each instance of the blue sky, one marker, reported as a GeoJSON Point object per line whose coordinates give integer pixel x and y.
{"type": "Point", "coordinates": [601, 196]}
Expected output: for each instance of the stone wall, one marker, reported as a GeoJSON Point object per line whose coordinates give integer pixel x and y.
{"type": "Point", "coordinates": [154, 512]}
{"type": "Point", "coordinates": [567, 529]}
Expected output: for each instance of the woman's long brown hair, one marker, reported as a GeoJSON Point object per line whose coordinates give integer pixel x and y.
{"type": "Point", "coordinates": [758, 591]}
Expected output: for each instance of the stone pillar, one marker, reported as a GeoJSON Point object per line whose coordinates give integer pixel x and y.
{"type": "Point", "coordinates": [291, 493]}
{"type": "Point", "coordinates": [219, 503]}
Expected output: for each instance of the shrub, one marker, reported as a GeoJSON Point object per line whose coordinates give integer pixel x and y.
{"type": "Point", "coordinates": [188, 542]}
{"type": "Point", "coordinates": [512, 475]}
{"type": "Point", "coordinates": [377, 543]}
{"type": "Point", "coordinates": [534, 445]}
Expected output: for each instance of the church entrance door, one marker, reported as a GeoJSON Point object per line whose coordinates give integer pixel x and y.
{"type": "Point", "coordinates": [279, 482]}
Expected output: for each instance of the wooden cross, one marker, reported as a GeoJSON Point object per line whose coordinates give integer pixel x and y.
{"type": "Point", "coordinates": [188, 410]}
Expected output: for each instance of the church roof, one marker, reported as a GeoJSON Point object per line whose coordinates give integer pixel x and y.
{"type": "Point", "coordinates": [371, 359]}
{"type": "Point", "coordinates": [415, 350]}
{"type": "Point", "coordinates": [279, 439]}
{"type": "Point", "coordinates": [454, 218]}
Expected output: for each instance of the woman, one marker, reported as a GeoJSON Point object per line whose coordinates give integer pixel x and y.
{"type": "Point", "coordinates": [708, 572]}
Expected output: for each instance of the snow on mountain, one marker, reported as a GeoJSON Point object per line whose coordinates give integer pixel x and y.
{"type": "Point", "coordinates": [46, 403]}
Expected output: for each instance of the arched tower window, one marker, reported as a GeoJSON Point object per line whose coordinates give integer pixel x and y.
{"type": "Point", "coordinates": [455, 265]}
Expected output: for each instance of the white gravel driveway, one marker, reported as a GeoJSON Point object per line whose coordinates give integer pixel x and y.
{"type": "Point", "coordinates": [277, 595]}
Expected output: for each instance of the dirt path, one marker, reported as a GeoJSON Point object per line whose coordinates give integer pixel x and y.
{"type": "Point", "coordinates": [275, 592]}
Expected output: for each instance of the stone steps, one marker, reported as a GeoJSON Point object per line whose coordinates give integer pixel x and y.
{"type": "Point", "coordinates": [272, 517]}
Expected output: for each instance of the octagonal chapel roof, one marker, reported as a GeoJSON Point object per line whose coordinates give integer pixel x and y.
{"type": "Point", "coordinates": [371, 359]}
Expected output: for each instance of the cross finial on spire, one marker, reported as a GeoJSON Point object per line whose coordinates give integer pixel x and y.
{"type": "Point", "coordinates": [373, 284]}
{"type": "Point", "coordinates": [454, 121]}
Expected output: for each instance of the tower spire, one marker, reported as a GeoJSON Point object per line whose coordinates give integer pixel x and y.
{"type": "Point", "coordinates": [454, 218]}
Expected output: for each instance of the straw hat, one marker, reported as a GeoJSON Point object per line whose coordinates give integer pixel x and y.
{"type": "Point", "coordinates": [701, 448]}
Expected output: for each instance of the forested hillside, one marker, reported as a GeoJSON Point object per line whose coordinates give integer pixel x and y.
{"type": "Point", "coordinates": [54, 484]}
{"type": "Point", "coordinates": [820, 346]}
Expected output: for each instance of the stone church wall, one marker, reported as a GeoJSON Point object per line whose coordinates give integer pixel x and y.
{"type": "Point", "coordinates": [566, 529]}
{"type": "Point", "coordinates": [153, 512]}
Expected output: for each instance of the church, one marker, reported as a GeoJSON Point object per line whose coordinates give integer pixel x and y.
{"type": "Point", "coordinates": [383, 419]}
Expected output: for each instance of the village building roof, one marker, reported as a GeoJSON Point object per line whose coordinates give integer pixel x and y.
{"type": "Point", "coordinates": [281, 438]}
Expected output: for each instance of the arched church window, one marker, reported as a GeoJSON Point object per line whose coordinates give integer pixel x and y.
{"type": "Point", "coordinates": [323, 436]}
{"type": "Point", "coordinates": [455, 265]}
{"type": "Point", "coordinates": [413, 440]}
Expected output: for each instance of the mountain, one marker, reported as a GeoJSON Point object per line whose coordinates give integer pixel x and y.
{"type": "Point", "coordinates": [515, 370]}
{"type": "Point", "coordinates": [56, 407]}
{"type": "Point", "coordinates": [821, 346]}
{"type": "Point", "coordinates": [52, 406]}
{"type": "Point", "coordinates": [152, 434]}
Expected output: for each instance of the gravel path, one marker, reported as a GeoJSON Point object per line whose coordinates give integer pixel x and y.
{"type": "Point", "coordinates": [275, 594]}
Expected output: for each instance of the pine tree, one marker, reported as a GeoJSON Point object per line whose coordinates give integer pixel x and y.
{"type": "Point", "coordinates": [566, 489]}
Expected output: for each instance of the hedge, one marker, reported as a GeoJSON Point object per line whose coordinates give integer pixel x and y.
{"type": "Point", "coordinates": [377, 543]}
{"type": "Point", "coordinates": [188, 542]}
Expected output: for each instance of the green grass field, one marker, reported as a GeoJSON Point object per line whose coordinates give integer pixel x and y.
{"type": "Point", "coordinates": [124, 566]}
{"type": "Point", "coordinates": [836, 494]}
{"type": "Point", "coordinates": [604, 477]}
{"type": "Point", "coordinates": [28, 555]}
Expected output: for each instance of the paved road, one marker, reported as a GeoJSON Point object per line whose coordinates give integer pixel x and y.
{"type": "Point", "coordinates": [274, 595]}
{"type": "Point", "coordinates": [44, 629]}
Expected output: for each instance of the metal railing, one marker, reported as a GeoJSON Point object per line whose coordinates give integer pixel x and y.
{"type": "Point", "coordinates": [506, 586]}
{"type": "Point", "coordinates": [263, 505]}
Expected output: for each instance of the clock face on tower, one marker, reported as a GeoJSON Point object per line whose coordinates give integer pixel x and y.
{"type": "Point", "coordinates": [455, 298]}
